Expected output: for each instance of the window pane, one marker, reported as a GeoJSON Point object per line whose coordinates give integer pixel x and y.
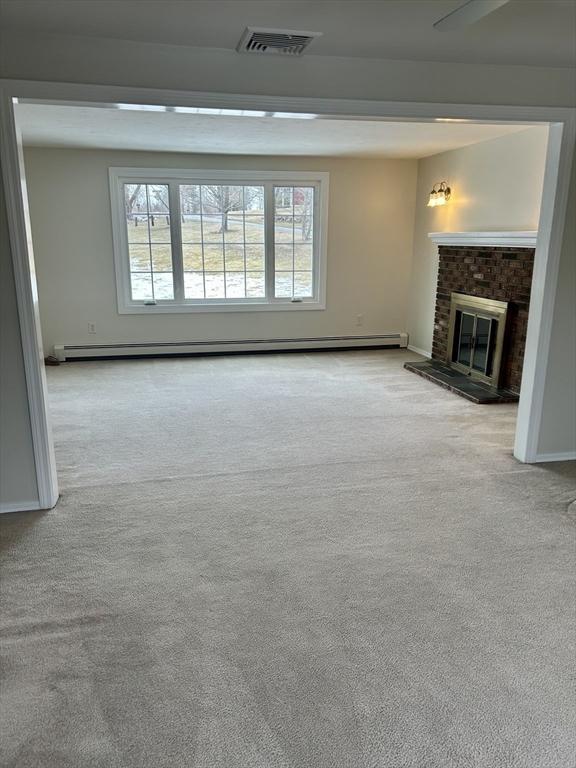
{"type": "Point", "coordinates": [254, 228]}
{"type": "Point", "coordinates": [211, 228]}
{"type": "Point", "coordinates": [283, 214]}
{"type": "Point", "coordinates": [194, 285]}
{"type": "Point", "coordinates": [303, 214]}
{"type": "Point", "coordinates": [234, 257]}
{"type": "Point", "coordinates": [283, 228]}
{"type": "Point", "coordinates": [293, 241]}
{"type": "Point", "coordinates": [303, 284]}
{"type": "Point", "coordinates": [283, 257]}
{"type": "Point", "coordinates": [192, 257]}
{"type": "Point", "coordinates": [147, 209]}
{"type": "Point", "coordinates": [139, 257]}
{"type": "Point", "coordinates": [255, 257]}
{"type": "Point", "coordinates": [283, 199]}
{"type": "Point", "coordinates": [254, 214]}
{"type": "Point", "coordinates": [191, 228]}
{"type": "Point", "coordinates": [223, 228]}
{"type": "Point", "coordinates": [161, 258]}
{"type": "Point", "coordinates": [190, 211]}
{"type": "Point", "coordinates": [235, 231]}
{"type": "Point", "coordinates": [283, 285]}
{"type": "Point", "coordinates": [135, 198]}
{"type": "Point", "coordinates": [214, 257]}
{"type": "Point", "coordinates": [141, 286]}
{"type": "Point", "coordinates": [233, 214]}
{"type": "Point", "coordinates": [235, 285]}
{"type": "Point", "coordinates": [214, 285]}
{"type": "Point", "coordinates": [255, 285]}
{"type": "Point", "coordinates": [303, 258]}
{"type": "Point", "coordinates": [254, 200]}
{"type": "Point", "coordinates": [163, 285]}
{"type": "Point", "coordinates": [215, 202]}
{"type": "Point", "coordinates": [159, 228]}
{"type": "Point", "coordinates": [222, 240]}
{"type": "Point", "coordinates": [137, 227]}
{"type": "Point", "coordinates": [190, 199]}
{"type": "Point", "coordinates": [158, 201]}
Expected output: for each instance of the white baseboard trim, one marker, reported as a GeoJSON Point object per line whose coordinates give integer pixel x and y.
{"type": "Point", "coordinates": [65, 352]}
{"type": "Point", "coordinates": [565, 456]}
{"type": "Point", "coordinates": [419, 351]}
{"type": "Point", "coordinates": [19, 506]}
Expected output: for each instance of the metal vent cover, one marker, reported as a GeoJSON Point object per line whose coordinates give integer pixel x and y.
{"type": "Point", "coordinates": [276, 42]}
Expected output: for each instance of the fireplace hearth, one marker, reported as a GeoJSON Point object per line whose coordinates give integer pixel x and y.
{"type": "Point", "coordinates": [465, 386]}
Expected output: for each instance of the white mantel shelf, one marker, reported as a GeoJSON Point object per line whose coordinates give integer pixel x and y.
{"type": "Point", "coordinates": [519, 239]}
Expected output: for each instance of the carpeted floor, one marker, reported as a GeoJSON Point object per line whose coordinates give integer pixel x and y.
{"type": "Point", "coordinates": [288, 561]}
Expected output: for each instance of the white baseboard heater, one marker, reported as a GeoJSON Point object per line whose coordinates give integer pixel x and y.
{"type": "Point", "coordinates": [65, 352]}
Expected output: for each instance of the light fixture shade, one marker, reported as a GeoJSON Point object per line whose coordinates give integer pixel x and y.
{"type": "Point", "coordinates": [440, 194]}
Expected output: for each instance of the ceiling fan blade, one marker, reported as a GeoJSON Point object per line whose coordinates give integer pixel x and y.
{"type": "Point", "coordinates": [467, 14]}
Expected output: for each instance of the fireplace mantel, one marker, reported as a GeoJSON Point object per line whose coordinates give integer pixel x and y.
{"type": "Point", "coordinates": [513, 238]}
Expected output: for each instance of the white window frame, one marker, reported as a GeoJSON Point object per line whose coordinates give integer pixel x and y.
{"type": "Point", "coordinates": [268, 179]}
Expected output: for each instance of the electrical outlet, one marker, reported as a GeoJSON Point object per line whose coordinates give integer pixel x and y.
{"type": "Point", "coordinates": [359, 321]}
{"type": "Point", "coordinates": [91, 327]}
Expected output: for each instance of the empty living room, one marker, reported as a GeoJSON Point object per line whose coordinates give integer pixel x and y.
{"type": "Point", "coordinates": [287, 383]}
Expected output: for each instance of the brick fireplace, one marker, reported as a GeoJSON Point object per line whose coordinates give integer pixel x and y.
{"type": "Point", "coordinates": [500, 273]}
{"type": "Point", "coordinates": [495, 266]}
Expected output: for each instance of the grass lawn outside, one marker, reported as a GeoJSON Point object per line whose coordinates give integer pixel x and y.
{"type": "Point", "coordinates": [229, 264]}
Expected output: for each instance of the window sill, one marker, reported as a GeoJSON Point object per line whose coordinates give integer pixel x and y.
{"type": "Point", "coordinates": [176, 309]}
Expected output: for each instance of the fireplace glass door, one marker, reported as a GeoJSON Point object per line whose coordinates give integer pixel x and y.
{"type": "Point", "coordinates": [474, 340]}
{"type": "Point", "coordinates": [476, 336]}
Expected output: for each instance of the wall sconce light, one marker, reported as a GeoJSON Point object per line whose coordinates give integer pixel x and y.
{"type": "Point", "coordinates": [440, 194]}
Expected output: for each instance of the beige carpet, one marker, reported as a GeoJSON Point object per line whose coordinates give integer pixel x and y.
{"type": "Point", "coordinates": [297, 561]}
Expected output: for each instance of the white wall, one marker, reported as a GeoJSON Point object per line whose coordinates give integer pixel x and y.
{"type": "Point", "coordinates": [18, 488]}
{"type": "Point", "coordinates": [558, 431]}
{"type": "Point", "coordinates": [496, 185]}
{"type": "Point", "coordinates": [69, 59]}
{"type": "Point", "coordinates": [369, 250]}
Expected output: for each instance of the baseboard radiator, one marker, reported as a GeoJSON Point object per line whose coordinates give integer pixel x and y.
{"type": "Point", "coordinates": [65, 352]}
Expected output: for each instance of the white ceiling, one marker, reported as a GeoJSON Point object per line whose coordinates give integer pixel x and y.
{"type": "Point", "coordinates": [112, 128]}
{"type": "Point", "coordinates": [536, 32]}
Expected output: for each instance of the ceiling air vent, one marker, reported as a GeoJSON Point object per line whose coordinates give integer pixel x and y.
{"type": "Point", "coordinates": [279, 42]}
